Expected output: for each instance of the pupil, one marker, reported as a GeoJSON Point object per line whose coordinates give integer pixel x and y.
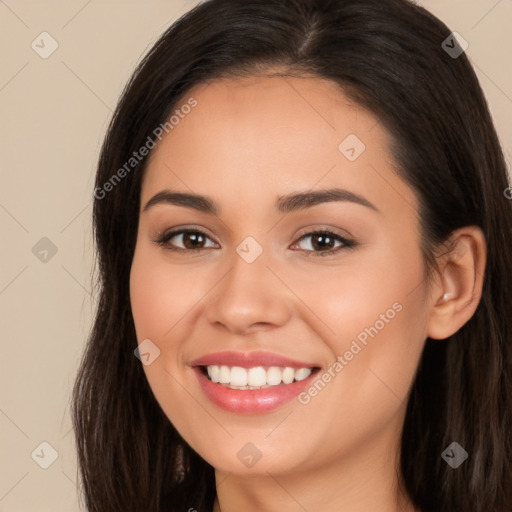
{"type": "Point", "coordinates": [195, 238]}
{"type": "Point", "coordinates": [322, 241]}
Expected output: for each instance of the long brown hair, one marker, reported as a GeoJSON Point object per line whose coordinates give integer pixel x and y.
{"type": "Point", "coordinates": [388, 56]}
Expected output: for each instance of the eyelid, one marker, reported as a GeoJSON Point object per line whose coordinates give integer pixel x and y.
{"type": "Point", "coordinates": [164, 236]}
{"type": "Point", "coordinates": [346, 242]}
{"type": "Point", "coordinates": [180, 229]}
{"type": "Point", "coordinates": [322, 228]}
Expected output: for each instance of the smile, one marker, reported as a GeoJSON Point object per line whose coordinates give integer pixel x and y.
{"type": "Point", "coordinates": [252, 382]}
{"type": "Point", "coordinates": [257, 377]}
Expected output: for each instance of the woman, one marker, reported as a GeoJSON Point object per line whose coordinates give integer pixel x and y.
{"type": "Point", "coordinates": [303, 236]}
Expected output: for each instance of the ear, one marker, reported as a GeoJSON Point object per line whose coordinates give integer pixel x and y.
{"type": "Point", "coordinates": [457, 289]}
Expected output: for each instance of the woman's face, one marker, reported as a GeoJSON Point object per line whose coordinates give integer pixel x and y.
{"type": "Point", "coordinates": [250, 288]}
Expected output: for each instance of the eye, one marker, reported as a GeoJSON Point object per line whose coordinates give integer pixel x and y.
{"type": "Point", "coordinates": [316, 243]}
{"type": "Point", "coordinates": [186, 240]}
{"type": "Point", "coordinates": [323, 243]}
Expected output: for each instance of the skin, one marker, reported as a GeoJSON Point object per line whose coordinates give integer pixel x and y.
{"type": "Point", "coordinates": [247, 143]}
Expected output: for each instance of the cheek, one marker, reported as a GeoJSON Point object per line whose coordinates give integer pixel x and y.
{"type": "Point", "coordinates": [351, 297]}
{"type": "Point", "coordinates": [375, 314]}
{"type": "Point", "coordinates": [380, 325]}
{"type": "Point", "coordinates": [161, 294]}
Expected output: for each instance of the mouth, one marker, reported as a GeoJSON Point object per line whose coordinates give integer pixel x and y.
{"type": "Point", "coordinates": [256, 377]}
{"type": "Point", "coordinates": [251, 383]}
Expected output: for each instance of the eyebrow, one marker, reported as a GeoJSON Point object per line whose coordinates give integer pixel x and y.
{"type": "Point", "coordinates": [303, 200]}
{"type": "Point", "coordinates": [285, 204]}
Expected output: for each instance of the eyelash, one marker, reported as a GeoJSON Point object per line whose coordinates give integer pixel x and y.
{"type": "Point", "coordinates": [347, 244]}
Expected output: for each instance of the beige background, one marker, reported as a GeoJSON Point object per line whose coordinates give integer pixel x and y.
{"type": "Point", "coordinates": [54, 113]}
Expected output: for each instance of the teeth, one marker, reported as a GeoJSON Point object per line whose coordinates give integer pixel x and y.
{"type": "Point", "coordinates": [214, 373]}
{"type": "Point", "coordinates": [258, 377]}
{"type": "Point", "coordinates": [302, 373]}
{"type": "Point", "coordinates": [274, 376]}
{"type": "Point", "coordinates": [288, 375]}
{"type": "Point", "coordinates": [238, 376]}
{"type": "Point", "coordinates": [224, 375]}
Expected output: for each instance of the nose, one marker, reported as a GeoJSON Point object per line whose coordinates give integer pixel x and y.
{"type": "Point", "coordinates": [249, 298]}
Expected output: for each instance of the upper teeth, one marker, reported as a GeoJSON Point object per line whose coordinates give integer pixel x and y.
{"type": "Point", "coordinates": [237, 377]}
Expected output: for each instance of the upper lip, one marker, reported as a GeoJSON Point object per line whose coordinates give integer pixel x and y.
{"type": "Point", "coordinates": [249, 360]}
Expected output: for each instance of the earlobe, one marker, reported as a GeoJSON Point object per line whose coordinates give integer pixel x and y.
{"type": "Point", "coordinates": [458, 288]}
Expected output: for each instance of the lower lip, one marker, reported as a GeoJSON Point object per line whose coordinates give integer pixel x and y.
{"type": "Point", "coordinates": [251, 401]}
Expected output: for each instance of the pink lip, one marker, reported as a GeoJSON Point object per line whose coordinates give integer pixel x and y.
{"type": "Point", "coordinates": [251, 401]}
{"type": "Point", "coordinates": [249, 360]}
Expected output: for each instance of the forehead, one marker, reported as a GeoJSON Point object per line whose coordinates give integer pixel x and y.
{"type": "Point", "coordinates": [269, 106]}
{"type": "Point", "coordinates": [271, 135]}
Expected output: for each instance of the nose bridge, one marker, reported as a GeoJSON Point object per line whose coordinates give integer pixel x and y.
{"type": "Point", "coordinates": [249, 293]}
